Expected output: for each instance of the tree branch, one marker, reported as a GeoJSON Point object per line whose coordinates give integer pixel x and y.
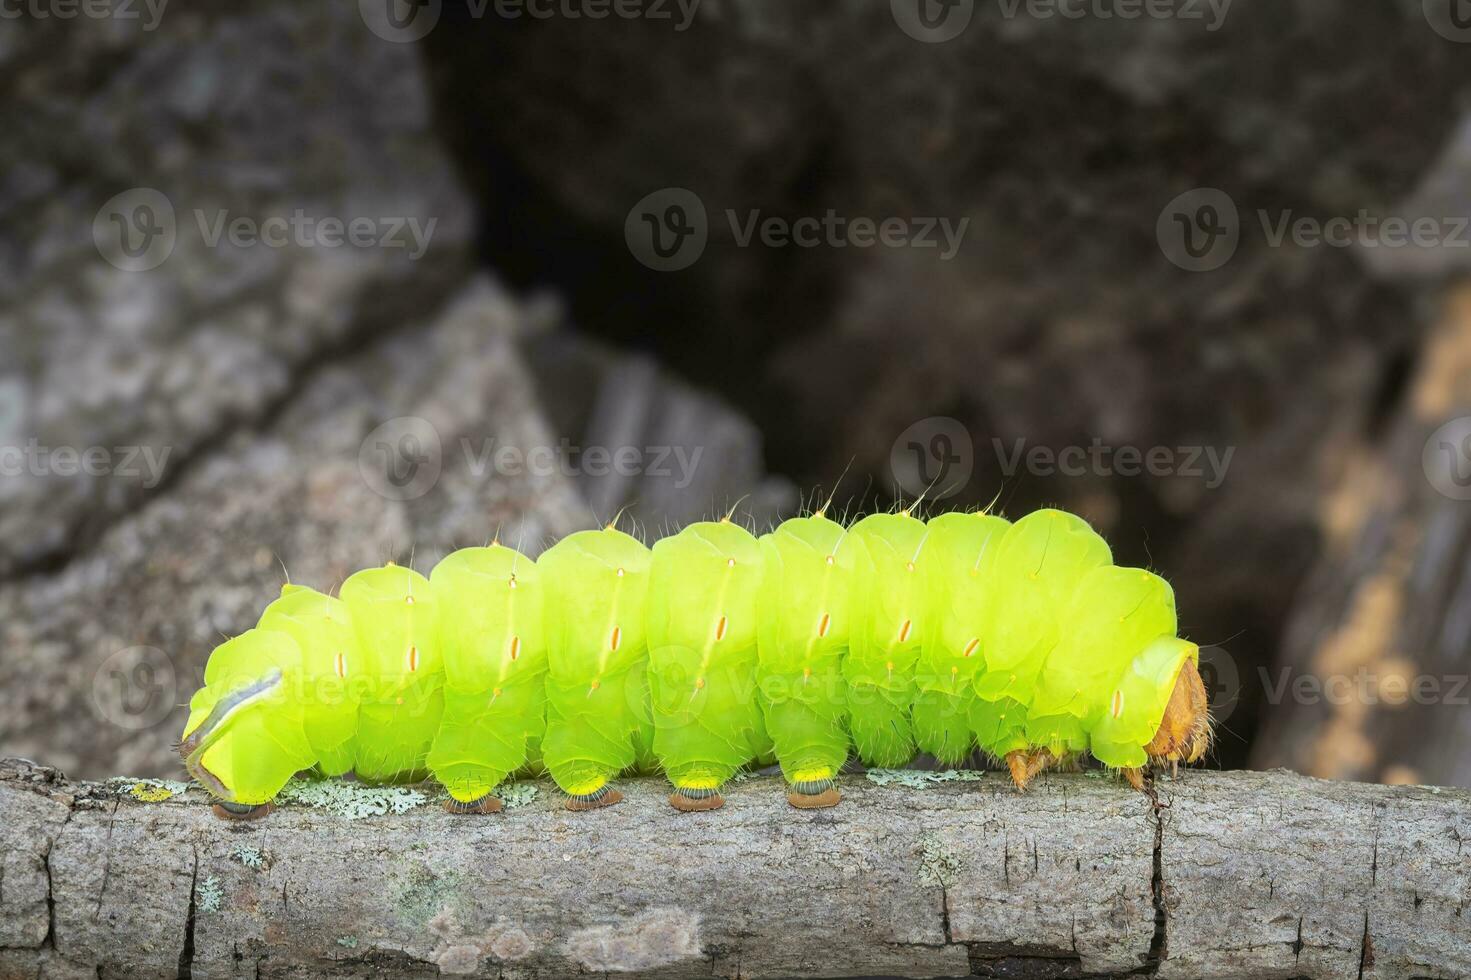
{"type": "Point", "coordinates": [1240, 875]}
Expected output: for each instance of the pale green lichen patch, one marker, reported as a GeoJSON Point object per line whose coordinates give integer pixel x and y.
{"type": "Point", "coordinates": [513, 795]}
{"type": "Point", "coordinates": [424, 896]}
{"type": "Point", "coordinates": [251, 857]}
{"type": "Point", "coordinates": [348, 942]}
{"type": "Point", "coordinates": [351, 800]}
{"type": "Point", "coordinates": [938, 865]}
{"type": "Point", "coordinates": [210, 896]}
{"type": "Point", "coordinates": [148, 790]}
{"type": "Point", "coordinates": [920, 778]}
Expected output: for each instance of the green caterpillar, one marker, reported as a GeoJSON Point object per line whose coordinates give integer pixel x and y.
{"type": "Point", "coordinates": [711, 653]}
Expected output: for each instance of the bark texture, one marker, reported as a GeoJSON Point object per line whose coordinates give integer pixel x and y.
{"type": "Point", "coordinates": [1239, 875]}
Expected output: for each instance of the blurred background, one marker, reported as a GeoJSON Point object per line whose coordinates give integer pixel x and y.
{"type": "Point", "coordinates": [301, 287]}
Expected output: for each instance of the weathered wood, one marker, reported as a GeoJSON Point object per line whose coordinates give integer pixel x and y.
{"type": "Point", "coordinates": [1240, 875]}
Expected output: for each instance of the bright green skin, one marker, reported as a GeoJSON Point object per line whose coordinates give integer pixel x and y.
{"type": "Point", "coordinates": [891, 607]}
{"type": "Point", "coordinates": [703, 613]}
{"type": "Point", "coordinates": [1113, 615]}
{"type": "Point", "coordinates": [322, 629]}
{"type": "Point", "coordinates": [805, 604]}
{"type": "Point", "coordinates": [960, 555]}
{"type": "Point", "coordinates": [493, 639]}
{"type": "Point", "coordinates": [1022, 636]}
{"type": "Point", "coordinates": [1062, 629]}
{"type": "Point", "coordinates": [598, 722]}
{"type": "Point", "coordinates": [395, 621]}
{"type": "Point", "coordinates": [1138, 702]}
{"type": "Point", "coordinates": [244, 749]}
{"type": "Point", "coordinates": [1040, 561]}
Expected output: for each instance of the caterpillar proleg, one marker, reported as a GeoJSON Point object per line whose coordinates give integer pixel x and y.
{"type": "Point", "coordinates": [711, 653]}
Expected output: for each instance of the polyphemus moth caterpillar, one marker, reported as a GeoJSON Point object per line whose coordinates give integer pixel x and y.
{"type": "Point", "coordinates": [708, 654]}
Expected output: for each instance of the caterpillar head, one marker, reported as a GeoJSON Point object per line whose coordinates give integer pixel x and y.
{"type": "Point", "coordinates": [1184, 733]}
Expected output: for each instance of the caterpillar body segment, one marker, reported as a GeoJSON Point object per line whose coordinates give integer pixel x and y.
{"type": "Point", "coordinates": [598, 722]}
{"type": "Point", "coordinates": [246, 734]}
{"type": "Point", "coordinates": [890, 609]}
{"type": "Point", "coordinates": [1042, 558]}
{"type": "Point", "coordinates": [802, 639]}
{"type": "Point", "coordinates": [960, 554]}
{"type": "Point", "coordinates": [493, 641]}
{"type": "Point", "coordinates": [704, 609]}
{"type": "Point", "coordinates": [395, 623]}
{"type": "Point", "coordinates": [322, 629]}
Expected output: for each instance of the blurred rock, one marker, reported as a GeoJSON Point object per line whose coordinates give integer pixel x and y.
{"type": "Point", "coordinates": [262, 110]}
{"type": "Point", "coordinates": [1374, 681]}
{"type": "Point", "coordinates": [101, 655]}
{"type": "Point", "coordinates": [640, 443]}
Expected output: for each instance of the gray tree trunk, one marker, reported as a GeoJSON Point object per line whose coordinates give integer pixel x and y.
{"type": "Point", "coordinates": [1236, 875]}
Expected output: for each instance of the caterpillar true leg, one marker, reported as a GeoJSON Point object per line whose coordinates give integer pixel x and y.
{"type": "Point", "coordinates": [1024, 765]}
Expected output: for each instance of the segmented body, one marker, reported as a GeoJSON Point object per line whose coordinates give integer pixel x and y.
{"type": "Point", "coordinates": [713, 652]}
